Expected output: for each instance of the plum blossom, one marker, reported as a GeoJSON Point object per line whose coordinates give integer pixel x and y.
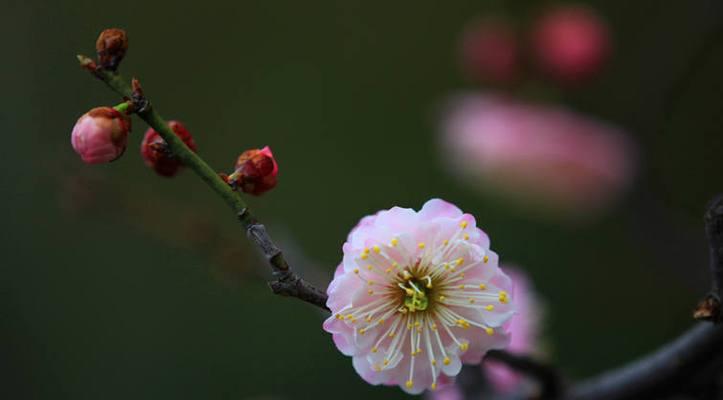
{"type": "Point", "coordinates": [524, 328]}
{"type": "Point", "coordinates": [416, 295]}
{"type": "Point", "coordinates": [539, 155]}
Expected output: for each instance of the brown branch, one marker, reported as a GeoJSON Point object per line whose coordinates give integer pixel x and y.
{"type": "Point", "coordinates": [657, 372]}
{"type": "Point", "coordinates": [287, 282]}
{"type": "Point", "coordinates": [710, 308]}
{"type": "Point", "coordinates": [551, 383]}
{"type": "Point", "coordinates": [678, 361]}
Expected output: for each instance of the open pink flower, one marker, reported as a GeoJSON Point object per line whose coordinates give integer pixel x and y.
{"type": "Point", "coordinates": [539, 155]}
{"type": "Point", "coordinates": [416, 295]}
{"type": "Point", "coordinates": [524, 329]}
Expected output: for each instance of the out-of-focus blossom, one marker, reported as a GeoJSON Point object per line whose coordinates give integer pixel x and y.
{"type": "Point", "coordinates": [490, 51]}
{"type": "Point", "coordinates": [255, 172]}
{"type": "Point", "coordinates": [100, 135]}
{"type": "Point", "coordinates": [546, 157]}
{"type": "Point", "coordinates": [416, 295]}
{"type": "Point", "coordinates": [571, 42]}
{"type": "Point", "coordinates": [157, 155]}
{"type": "Point", "coordinates": [524, 329]}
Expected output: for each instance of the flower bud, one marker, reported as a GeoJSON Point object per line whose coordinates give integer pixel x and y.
{"type": "Point", "coordinates": [490, 51]}
{"type": "Point", "coordinates": [256, 171]}
{"type": "Point", "coordinates": [111, 46]}
{"type": "Point", "coordinates": [100, 135]}
{"type": "Point", "coordinates": [157, 155]}
{"type": "Point", "coordinates": [571, 43]}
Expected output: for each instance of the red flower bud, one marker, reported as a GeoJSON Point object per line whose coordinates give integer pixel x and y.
{"type": "Point", "coordinates": [157, 155]}
{"type": "Point", "coordinates": [571, 43]}
{"type": "Point", "coordinates": [100, 135]}
{"type": "Point", "coordinates": [490, 51]}
{"type": "Point", "coordinates": [111, 46]}
{"type": "Point", "coordinates": [256, 171]}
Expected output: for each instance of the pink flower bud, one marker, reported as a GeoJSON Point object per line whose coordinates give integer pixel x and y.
{"type": "Point", "coordinates": [157, 155]}
{"type": "Point", "coordinates": [256, 171]}
{"type": "Point", "coordinates": [490, 51]}
{"type": "Point", "coordinates": [100, 135]}
{"type": "Point", "coordinates": [571, 42]}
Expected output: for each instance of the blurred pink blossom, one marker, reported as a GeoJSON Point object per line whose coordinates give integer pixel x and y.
{"type": "Point", "coordinates": [537, 155]}
{"type": "Point", "coordinates": [524, 328]}
{"type": "Point", "coordinates": [571, 42]}
{"type": "Point", "coordinates": [490, 51]}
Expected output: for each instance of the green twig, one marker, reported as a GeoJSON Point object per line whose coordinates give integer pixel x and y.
{"type": "Point", "coordinates": [287, 283]}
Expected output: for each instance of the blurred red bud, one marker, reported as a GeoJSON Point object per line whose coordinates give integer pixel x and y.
{"type": "Point", "coordinates": [256, 171]}
{"type": "Point", "coordinates": [111, 47]}
{"type": "Point", "coordinates": [571, 42]}
{"type": "Point", "coordinates": [157, 155]}
{"type": "Point", "coordinates": [490, 51]}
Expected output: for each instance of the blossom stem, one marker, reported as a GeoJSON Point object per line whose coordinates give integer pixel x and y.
{"type": "Point", "coordinates": [287, 283]}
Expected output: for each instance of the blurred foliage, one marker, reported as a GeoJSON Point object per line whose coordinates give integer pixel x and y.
{"type": "Point", "coordinates": [99, 303]}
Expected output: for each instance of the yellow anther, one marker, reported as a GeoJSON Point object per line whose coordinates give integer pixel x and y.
{"type": "Point", "coordinates": [368, 318]}
{"type": "Point", "coordinates": [370, 283]}
{"type": "Point", "coordinates": [471, 301]}
{"type": "Point", "coordinates": [339, 316]}
{"type": "Point", "coordinates": [503, 296]}
{"type": "Point", "coordinates": [461, 286]}
{"type": "Point", "coordinates": [461, 274]}
{"type": "Point", "coordinates": [489, 307]}
{"type": "Point", "coordinates": [365, 251]}
{"type": "Point", "coordinates": [374, 349]}
{"type": "Point", "coordinates": [446, 266]}
{"type": "Point", "coordinates": [406, 275]}
{"type": "Point", "coordinates": [462, 323]}
{"type": "Point", "coordinates": [434, 386]}
{"type": "Point", "coordinates": [356, 270]}
{"type": "Point", "coordinates": [421, 245]}
{"type": "Point", "coordinates": [376, 249]}
{"type": "Point", "coordinates": [394, 242]}
{"type": "Point", "coordinates": [388, 270]}
{"type": "Point", "coordinates": [441, 298]}
{"type": "Point", "coordinates": [376, 368]}
{"type": "Point", "coordinates": [482, 286]}
{"type": "Point", "coordinates": [417, 324]}
{"type": "Point", "coordinates": [370, 292]}
{"type": "Point", "coordinates": [353, 320]}
{"type": "Point", "coordinates": [459, 261]}
{"type": "Point", "coordinates": [391, 334]}
{"type": "Point", "coordinates": [446, 361]}
{"type": "Point", "coordinates": [349, 316]}
{"type": "Point", "coordinates": [445, 242]}
{"type": "Point", "coordinates": [490, 331]}
{"type": "Point", "coordinates": [464, 346]}
{"type": "Point", "coordinates": [362, 331]}
{"type": "Point", "coordinates": [395, 265]}
{"type": "Point", "coordinates": [434, 362]}
{"type": "Point", "coordinates": [386, 362]}
{"type": "Point", "coordinates": [485, 259]}
{"type": "Point", "coordinates": [381, 321]}
{"type": "Point", "coordinates": [364, 256]}
{"type": "Point", "coordinates": [463, 224]}
{"type": "Point", "coordinates": [434, 327]}
{"type": "Point", "coordinates": [409, 327]}
{"type": "Point", "coordinates": [409, 291]}
{"type": "Point", "coordinates": [409, 384]}
{"type": "Point", "coordinates": [370, 267]}
{"type": "Point", "coordinates": [466, 236]}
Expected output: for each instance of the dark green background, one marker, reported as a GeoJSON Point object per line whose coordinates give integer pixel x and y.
{"type": "Point", "coordinates": [117, 284]}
